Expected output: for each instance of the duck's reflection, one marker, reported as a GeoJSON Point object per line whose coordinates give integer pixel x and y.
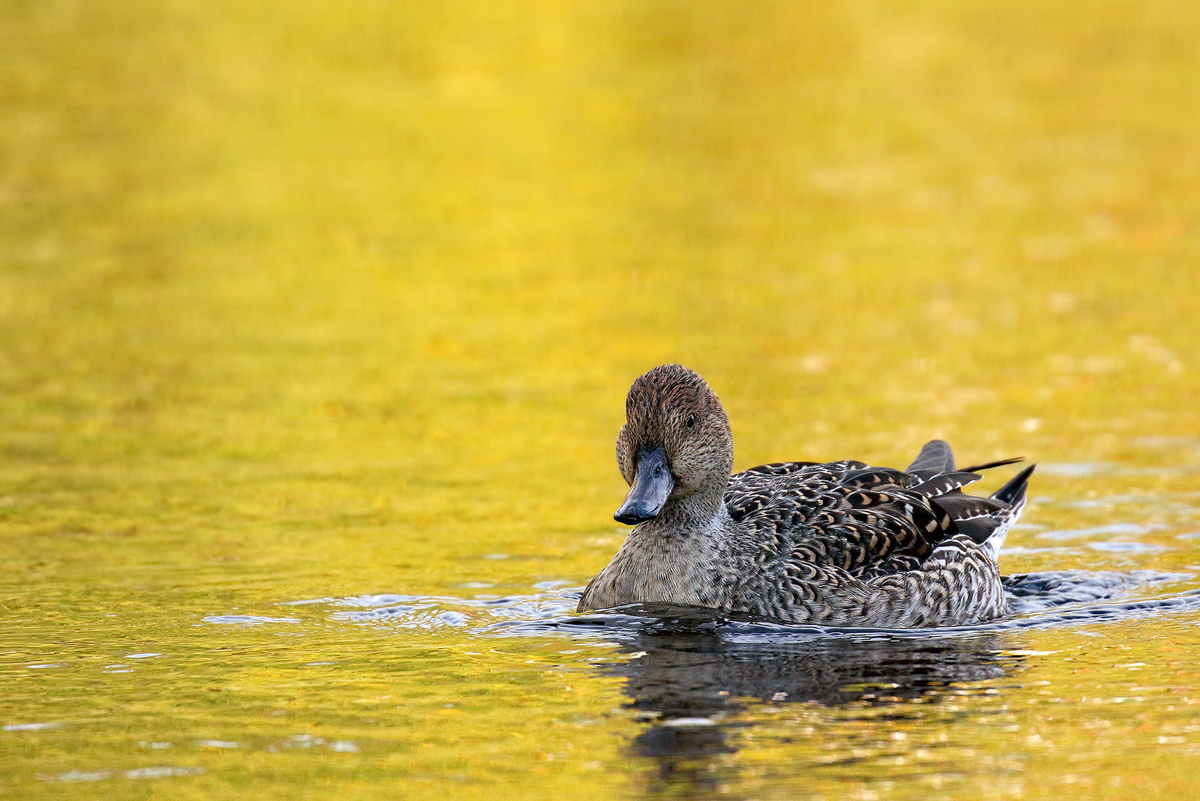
{"type": "Point", "coordinates": [694, 679]}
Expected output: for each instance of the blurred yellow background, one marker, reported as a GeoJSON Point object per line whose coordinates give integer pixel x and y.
{"type": "Point", "coordinates": [396, 265]}
{"type": "Point", "coordinates": [317, 299]}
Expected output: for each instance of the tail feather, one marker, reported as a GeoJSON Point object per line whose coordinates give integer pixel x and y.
{"type": "Point", "coordinates": [975, 468]}
{"type": "Point", "coordinates": [945, 483]}
{"type": "Point", "coordinates": [984, 520]}
{"type": "Point", "coordinates": [1014, 491]}
{"type": "Point", "coordinates": [934, 459]}
{"type": "Point", "coordinates": [1012, 495]}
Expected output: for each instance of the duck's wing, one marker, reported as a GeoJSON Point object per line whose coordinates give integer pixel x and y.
{"type": "Point", "coordinates": [865, 520]}
{"type": "Point", "coordinates": [869, 521]}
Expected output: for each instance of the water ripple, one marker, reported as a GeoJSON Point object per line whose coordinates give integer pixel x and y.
{"type": "Point", "coordinates": [1039, 600]}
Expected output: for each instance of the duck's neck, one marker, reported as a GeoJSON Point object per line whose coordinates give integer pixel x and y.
{"type": "Point", "coordinates": [670, 558]}
{"type": "Point", "coordinates": [696, 514]}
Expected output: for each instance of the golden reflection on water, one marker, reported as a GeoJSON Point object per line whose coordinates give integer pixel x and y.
{"type": "Point", "coordinates": [311, 302]}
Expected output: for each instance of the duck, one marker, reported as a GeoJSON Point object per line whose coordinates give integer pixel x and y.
{"type": "Point", "coordinates": [837, 544]}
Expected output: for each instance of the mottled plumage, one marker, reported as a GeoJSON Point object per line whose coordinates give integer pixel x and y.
{"type": "Point", "coordinates": [841, 544]}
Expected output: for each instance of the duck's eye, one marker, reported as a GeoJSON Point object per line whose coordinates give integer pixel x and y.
{"type": "Point", "coordinates": [691, 421]}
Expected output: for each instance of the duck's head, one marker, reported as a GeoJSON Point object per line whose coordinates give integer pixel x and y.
{"type": "Point", "coordinates": [675, 444]}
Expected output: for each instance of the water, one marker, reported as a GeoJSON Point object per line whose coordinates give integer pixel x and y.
{"type": "Point", "coordinates": [316, 324]}
{"type": "Point", "coordinates": [408, 685]}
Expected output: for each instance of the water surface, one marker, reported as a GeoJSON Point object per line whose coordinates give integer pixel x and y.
{"type": "Point", "coordinates": [316, 323]}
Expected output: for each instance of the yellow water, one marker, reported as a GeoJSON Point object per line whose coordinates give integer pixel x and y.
{"type": "Point", "coordinates": [308, 302]}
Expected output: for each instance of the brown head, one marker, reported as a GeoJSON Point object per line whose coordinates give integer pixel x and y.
{"type": "Point", "coordinates": [675, 444]}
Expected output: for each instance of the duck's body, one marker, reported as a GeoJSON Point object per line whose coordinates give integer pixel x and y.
{"type": "Point", "coordinates": [838, 544]}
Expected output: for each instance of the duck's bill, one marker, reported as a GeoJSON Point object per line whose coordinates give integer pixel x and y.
{"type": "Point", "coordinates": [652, 485]}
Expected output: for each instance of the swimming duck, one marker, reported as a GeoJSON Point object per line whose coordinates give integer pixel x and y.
{"type": "Point", "coordinates": [839, 544]}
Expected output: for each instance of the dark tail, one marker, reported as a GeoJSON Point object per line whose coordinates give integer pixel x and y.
{"type": "Point", "coordinates": [933, 460]}
{"type": "Point", "coordinates": [984, 520]}
{"type": "Point", "coordinates": [1013, 492]}
{"type": "Point", "coordinates": [975, 468]}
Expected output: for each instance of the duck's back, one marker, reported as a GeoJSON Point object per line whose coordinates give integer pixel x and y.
{"type": "Point", "coordinates": [866, 521]}
{"type": "Point", "coordinates": [824, 534]}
